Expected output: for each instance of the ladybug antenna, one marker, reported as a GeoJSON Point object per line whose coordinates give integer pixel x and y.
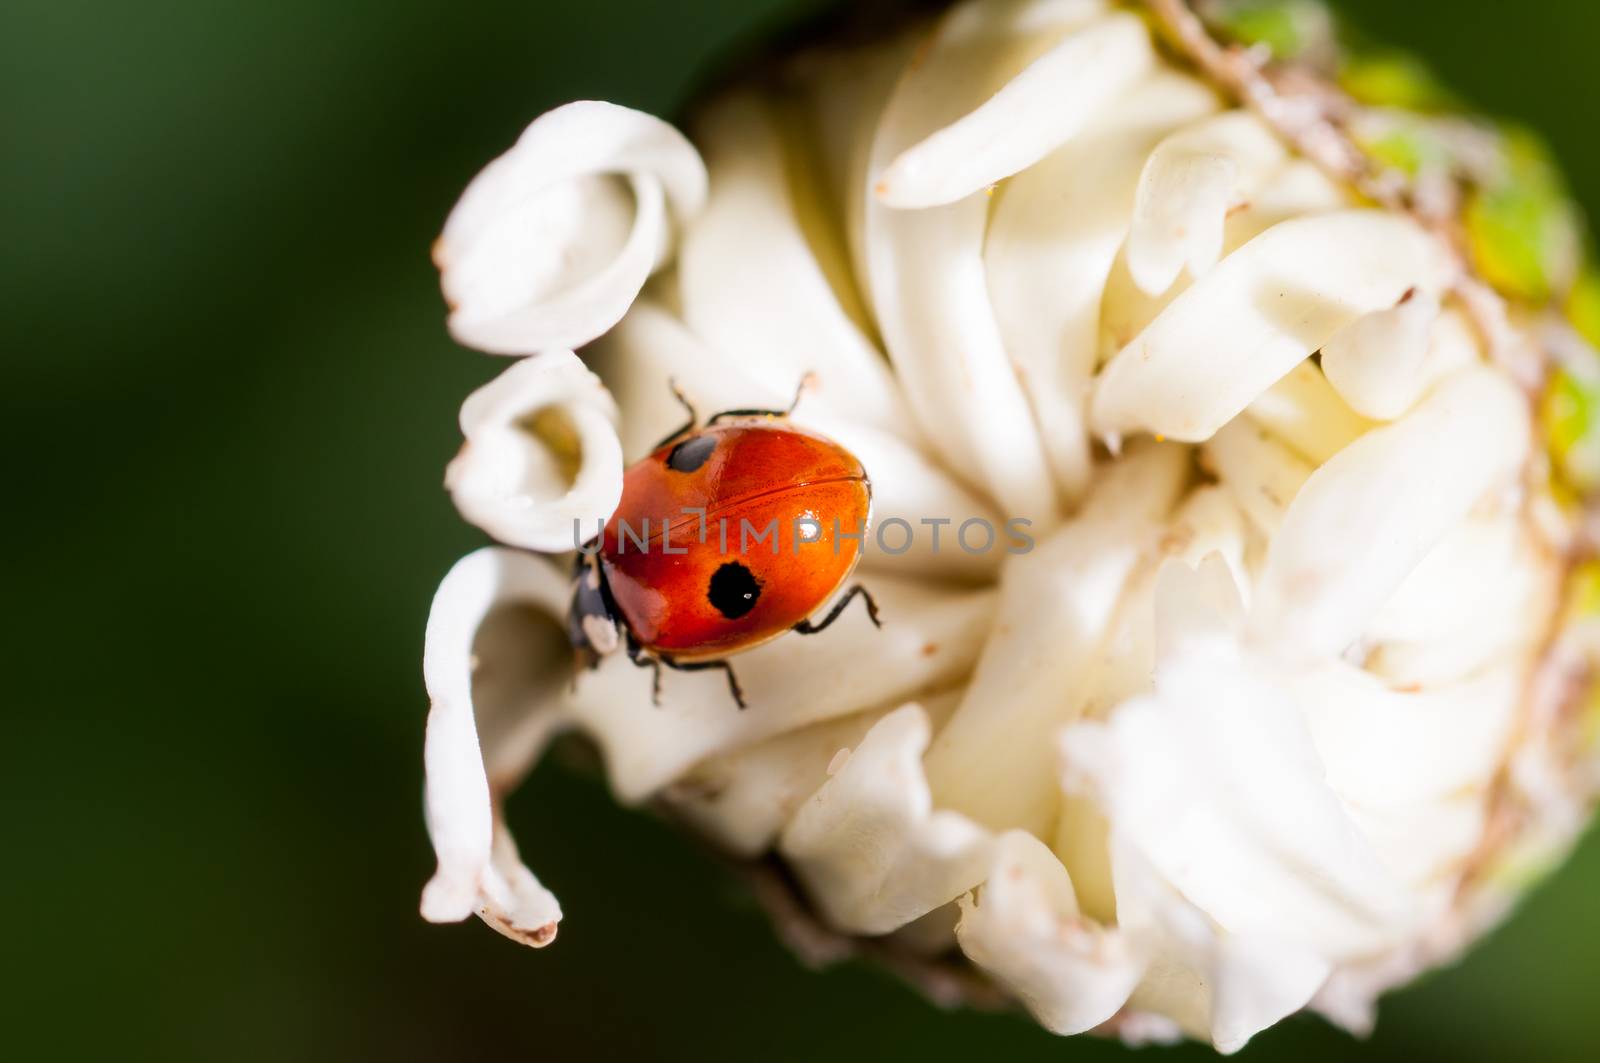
{"type": "Point", "coordinates": [694, 418]}
{"type": "Point", "coordinates": [683, 400]}
{"type": "Point", "coordinates": [807, 381]}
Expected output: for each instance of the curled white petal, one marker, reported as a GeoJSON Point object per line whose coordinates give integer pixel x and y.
{"type": "Point", "coordinates": [1376, 361]}
{"type": "Point", "coordinates": [1256, 315]}
{"type": "Point", "coordinates": [1189, 184]}
{"type": "Point", "coordinates": [743, 798]}
{"type": "Point", "coordinates": [541, 466]}
{"type": "Point", "coordinates": [550, 244]}
{"type": "Point", "coordinates": [479, 869]}
{"type": "Point", "coordinates": [1178, 218]}
{"type": "Point", "coordinates": [1056, 603]}
{"type": "Point", "coordinates": [1043, 105]}
{"type": "Point", "coordinates": [1025, 929]}
{"type": "Point", "coordinates": [869, 846]}
{"type": "Point", "coordinates": [1208, 981]}
{"type": "Point", "coordinates": [783, 320]}
{"type": "Point", "coordinates": [1053, 236]}
{"type": "Point", "coordinates": [1305, 412]}
{"type": "Point", "coordinates": [1365, 519]}
{"type": "Point", "coordinates": [1382, 746]}
{"type": "Point", "coordinates": [1491, 624]}
{"type": "Point", "coordinates": [926, 276]}
{"type": "Point", "coordinates": [1258, 470]}
{"type": "Point", "coordinates": [1215, 781]}
{"type": "Point", "coordinates": [928, 641]}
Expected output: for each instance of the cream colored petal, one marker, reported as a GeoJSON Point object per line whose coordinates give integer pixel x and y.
{"type": "Point", "coordinates": [1053, 234]}
{"type": "Point", "coordinates": [929, 639]}
{"type": "Point", "coordinates": [1177, 222]}
{"type": "Point", "coordinates": [541, 467]}
{"type": "Point", "coordinates": [1382, 747]}
{"type": "Point", "coordinates": [1365, 519]}
{"type": "Point", "coordinates": [1041, 107]}
{"type": "Point", "coordinates": [479, 869]}
{"type": "Point", "coordinates": [928, 285]}
{"type": "Point", "coordinates": [1189, 184]}
{"type": "Point", "coordinates": [1215, 781]}
{"type": "Point", "coordinates": [1211, 982]}
{"type": "Point", "coordinates": [1259, 471]}
{"type": "Point", "coordinates": [845, 93]}
{"type": "Point", "coordinates": [743, 798]}
{"type": "Point", "coordinates": [870, 848]}
{"type": "Point", "coordinates": [1255, 316]}
{"type": "Point", "coordinates": [1304, 411]}
{"type": "Point", "coordinates": [1025, 930]}
{"type": "Point", "coordinates": [1376, 360]}
{"type": "Point", "coordinates": [994, 761]}
{"type": "Point", "coordinates": [1297, 188]}
{"type": "Point", "coordinates": [753, 288]}
{"type": "Point", "coordinates": [1426, 843]}
{"type": "Point", "coordinates": [550, 244]}
{"type": "Point", "coordinates": [1493, 627]}
{"type": "Point", "coordinates": [650, 349]}
{"type": "Point", "coordinates": [1460, 581]}
{"type": "Point", "coordinates": [1207, 526]}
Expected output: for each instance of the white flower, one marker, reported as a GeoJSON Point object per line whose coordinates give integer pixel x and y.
{"type": "Point", "coordinates": [1280, 690]}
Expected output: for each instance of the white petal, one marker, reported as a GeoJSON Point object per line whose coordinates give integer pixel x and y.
{"type": "Point", "coordinates": [845, 94]}
{"type": "Point", "coordinates": [1214, 780]}
{"type": "Point", "coordinates": [479, 869]}
{"type": "Point", "coordinates": [743, 798]}
{"type": "Point", "coordinates": [869, 847]}
{"type": "Point", "coordinates": [1376, 360]}
{"type": "Point", "coordinates": [1365, 519]}
{"type": "Point", "coordinates": [1260, 473]}
{"type": "Point", "coordinates": [550, 244]}
{"type": "Point", "coordinates": [928, 641]}
{"type": "Point", "coordinates": [1054, 233]}
{"type": "Point", "coordinates": [1177, 221]}
{"type": "Point", "coordinates": [929, 289]}
{"type": "Point", "coordinates": [1460, 581]}
{"type": "Point", "coordinates": [1490, 625]}
{"type": "Point", "coordinates": [1056, 603]}
{"type": "Point", "coordinates": [1210, 981]}
{"type": "Point", "coordinates": [1298, 187]}
{"type": "Point", "coordinates": [1256, 315]}
{"type": "Point", "coordinates": [542, 466]}
{"type": "Point", "coordinates": [1382, 746]}
{"type": "Point", "coordinates": [1426, 843]}
{"type": "Point", "coordinates": [1025, 930]}
{"type": "Point", "coordinates": [1036, 110]}
{"type": "Point", "coordinates": [1305, 412]}
{"type": "Point", "coordinates": [753, 287]}
{"type": "Point", "coordinates": [1189, 184]}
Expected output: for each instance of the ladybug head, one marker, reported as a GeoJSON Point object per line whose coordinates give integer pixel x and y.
{"type": "Point", "coordinates": [592, 625]}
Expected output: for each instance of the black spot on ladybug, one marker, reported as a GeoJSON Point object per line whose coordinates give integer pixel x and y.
{"type": "Point", "coordinates": [691, 453]}
{"type": "Point", "coordinates": [733, 590]}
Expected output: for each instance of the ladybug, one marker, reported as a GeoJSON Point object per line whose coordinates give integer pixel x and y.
{"type": "Point", "coordinates": [728, 535]}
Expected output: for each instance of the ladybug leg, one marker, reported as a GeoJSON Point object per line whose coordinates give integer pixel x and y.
{"type": "Point", "coordinates": [641, 659]}
{"type": "Point", "coordinates": [805, 382]}
{"type": "Point", "coordinates": [806, 627]}
{"type": "Point", "coordinates": [706, 666]}
{"type": "Point", "coordinates": [694, 418]}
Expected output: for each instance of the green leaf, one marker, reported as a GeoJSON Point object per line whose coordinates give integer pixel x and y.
{"type": "Point", "coordinates": [1394, 79]}
{"type": "Point", "coordinates": [1522, 229]}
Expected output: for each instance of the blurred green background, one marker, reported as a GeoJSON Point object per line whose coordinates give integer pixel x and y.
{"type": "Point", "coordinates": [228, 400]}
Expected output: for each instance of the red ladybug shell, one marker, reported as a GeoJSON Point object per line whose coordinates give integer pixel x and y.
{"type": "Point", "coordinates": [715, 597]}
